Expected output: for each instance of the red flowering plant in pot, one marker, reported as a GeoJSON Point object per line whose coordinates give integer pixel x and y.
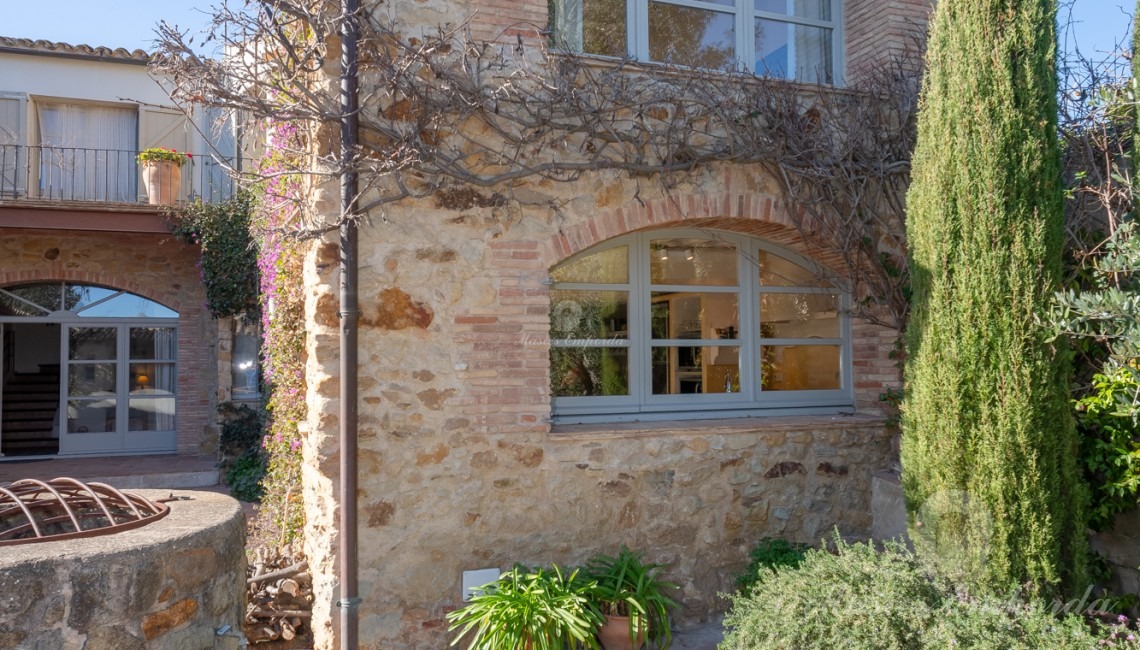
{"type": "Point", "coordinates": [634, 599]}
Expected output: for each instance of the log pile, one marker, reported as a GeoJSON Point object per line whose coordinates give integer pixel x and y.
{"type": "Point", "coordinates": [279, 594]}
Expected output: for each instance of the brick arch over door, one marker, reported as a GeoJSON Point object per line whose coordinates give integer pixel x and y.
{"type": "Point", "coordinates": [749, 213]}
{"type": "Point", "coordinates": [164, 297]}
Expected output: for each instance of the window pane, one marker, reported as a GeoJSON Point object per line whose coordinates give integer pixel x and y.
{"type": "Point", "coordinates": [610, 266]}
{"type": "Point", "coordinates": [91, 380]}
{"type": "Point", "coordinates": [789, 51]}
{"type": "Point", "coordinates": [244, 365]}
{"type": "Point", "coordinates": [692, 261]}
{"type": "Point", "coordinates": [697, 38]}
{"type": "Point", "coordinates": [589, 314]}
{"type": "Point", "coordinates": [689, 370]}
{"type": "Point", "coordinates": [152, 379]}
{"type": "Point", "coordinates": [91, 416]}
{"type": "Point", "coordinates": [78, 297]}
{"type": "Point", "coordinates": [603, 27]}
{"type": "Point", "coordinates": [799, 316]}
{"type": "Point", "coordinates": [799, 367]}
{"type": "Point", "coordinates": [10, 306]}
{"type": "Point", "coordinates": [695, 315]}
{"type": "Point", "coordinates": [92, 343]}
{"type": "Point", "coordinates": [589, 372]}
{"type": "Point", "coordinates": [151, 414]}
{"type": "Point", "coordinates": [814, 9]}
{"type": "Point", "coordinates": [775, 271]}
{"type": "Point", "coordinates": [43, 295]}
{"type": "Point", "coordinates": [153, 343]}
{"type": "Point", "coordinates": [128, 305]}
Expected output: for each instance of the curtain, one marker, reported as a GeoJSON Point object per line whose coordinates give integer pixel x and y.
{"type": "Point", "coordinates": [88, 152]}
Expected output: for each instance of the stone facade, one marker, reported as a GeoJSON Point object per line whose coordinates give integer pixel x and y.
{"type": "Point", "coordinates": [460, 466]}
{"type": "Point", "coordinates": [154, 266]}
{"type": "Point", "coordinates": [168, 585]}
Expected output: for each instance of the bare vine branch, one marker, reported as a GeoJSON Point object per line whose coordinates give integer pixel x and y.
{"type": "Point", "coordinates": [443, 110]}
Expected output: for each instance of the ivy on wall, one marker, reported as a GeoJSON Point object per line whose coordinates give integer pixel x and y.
{"type": "Point", "coordinates": [229, 256]}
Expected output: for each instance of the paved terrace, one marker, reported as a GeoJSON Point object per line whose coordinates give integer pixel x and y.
{"type": "Point", "coordinates": [165, 471]}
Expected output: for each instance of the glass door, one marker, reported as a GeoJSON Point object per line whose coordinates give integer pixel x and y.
{"type": "Point", "coordinates": [90, 383]}
{"type": "Point", "coordinates": [151, 381]}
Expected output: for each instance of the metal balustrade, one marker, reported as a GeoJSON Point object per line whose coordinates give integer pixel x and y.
{"type": "Point", "coordinates": [76, 174]}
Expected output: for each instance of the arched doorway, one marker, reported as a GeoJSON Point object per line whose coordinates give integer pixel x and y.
{"type": "Point", "coordinates": [86, 369]}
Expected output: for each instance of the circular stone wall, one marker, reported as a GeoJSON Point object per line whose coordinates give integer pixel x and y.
{"type": "Point", "coordinates": [167, 585]}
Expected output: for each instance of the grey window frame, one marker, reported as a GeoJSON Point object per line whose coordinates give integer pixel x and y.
{"type": "Point", "coordinates": [744, 14]}
{"type": "Point", "coordinates": [751, 400]}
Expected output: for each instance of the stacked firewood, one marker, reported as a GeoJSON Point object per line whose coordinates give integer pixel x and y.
{"type": "Point", "coordinates": [280, 595]}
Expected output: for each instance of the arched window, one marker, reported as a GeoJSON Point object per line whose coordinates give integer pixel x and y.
{"type": "Point", "coordinates": [86, 369]}
{"type": "Point", "coordinates": [680, 324]}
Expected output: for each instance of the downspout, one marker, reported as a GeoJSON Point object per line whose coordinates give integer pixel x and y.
{"type": "Point", "coordinates": [349, 315]}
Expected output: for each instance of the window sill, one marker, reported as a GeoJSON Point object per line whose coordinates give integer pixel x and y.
{"type": "Point", "coordinates": [680, 428]}
{"type": "Point", "coordinates": [603, 62]}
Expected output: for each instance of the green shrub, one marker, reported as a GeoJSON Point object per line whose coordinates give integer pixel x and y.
{"type": "Point", "coordinates": [242, 428]}
{"type": "Point", "coordinates": [1110, 439]}
{"type": "Point", "coordinates": [859, 598]}
{"type": "Point", "coordinates": [770, 554]}
{"type": "Point", "coordinates": [244, 476]}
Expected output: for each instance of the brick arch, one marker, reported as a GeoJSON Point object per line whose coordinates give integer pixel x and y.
{"type": "Point", "coordinates": [760, 215]}
{"type": "Point", "coordinates": [167, 299]}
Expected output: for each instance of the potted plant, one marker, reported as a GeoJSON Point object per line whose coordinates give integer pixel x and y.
{"type": "Point", "coordinates": [633, 597]}
{"type": "Point", "coordinates": [529, 609]}
{"type": "Point", "coordinates": [162, 174]}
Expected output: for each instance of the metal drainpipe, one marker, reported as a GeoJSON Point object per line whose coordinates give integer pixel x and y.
{"type": "Point", "coordinates": [349, 314]}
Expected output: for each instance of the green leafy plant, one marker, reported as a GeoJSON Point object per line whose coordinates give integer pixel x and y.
{"type": "Point", "coordinates": [624, 585]}
{"type": "Point", "coordinates": [529, 609]}
{"type": "Point", "coordinates": [770, 554]}
{"type": "Point", "coordinates": [243, 460]}
{"type": "Point", "coordinates": [244, 476]}
{"type": "Point", "coordinates": [161, 154]}
{"type": "Point", "coordinates": [229, 253]}
{"type": "Point", "coordinates": [1110, 438]}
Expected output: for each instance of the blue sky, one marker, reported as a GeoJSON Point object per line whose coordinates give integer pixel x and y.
{"type": "Point", "coordinates": [1097, 25]}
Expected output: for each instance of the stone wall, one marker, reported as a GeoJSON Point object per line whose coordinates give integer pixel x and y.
{"type": "Point", "coordinates": [154, 266]}
{"type": "Point", "coordinates": [696, 497]}
{"type": "Point", "coordinates": [459, 465]}
{"type": "Point", "coordinates": [165, 586]}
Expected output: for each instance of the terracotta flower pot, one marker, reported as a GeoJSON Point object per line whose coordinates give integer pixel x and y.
{"type": "Point", "coordinates": [614, 634]}
{"type": "Point", "coordinates": [163, 181]}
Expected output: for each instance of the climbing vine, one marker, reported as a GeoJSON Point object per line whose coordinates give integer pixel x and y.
{"type": "Point", "coordinates": [279, 264]}
{"type": "Point", "coordinates": [228, 262]}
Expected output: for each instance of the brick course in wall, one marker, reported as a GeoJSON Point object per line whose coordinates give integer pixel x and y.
{"type": "Point", "coordinates": [153, 266]}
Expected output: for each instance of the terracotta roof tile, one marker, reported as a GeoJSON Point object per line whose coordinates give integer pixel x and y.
{"type": "Point", "coordinates": [77, 51]}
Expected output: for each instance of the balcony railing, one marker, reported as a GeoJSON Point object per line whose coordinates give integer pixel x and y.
{"type": "Point", "coordinates": [75, 174]}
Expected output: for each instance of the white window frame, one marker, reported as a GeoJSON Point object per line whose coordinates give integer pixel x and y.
{"type": "Point", "coordinates": [642, 405]}
{"type": "Point", "coordinates": [744, 13]}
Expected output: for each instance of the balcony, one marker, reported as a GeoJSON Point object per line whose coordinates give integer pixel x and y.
{"type": "Point", "coordinates": [55, 187]}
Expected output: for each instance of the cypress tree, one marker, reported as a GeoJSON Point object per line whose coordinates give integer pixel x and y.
{"type": "Point", "coordinates": [987, 407]}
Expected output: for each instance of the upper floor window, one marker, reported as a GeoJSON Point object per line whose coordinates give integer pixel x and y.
{"type": "Point", "coordinates": [797, 40]}
{"type": "Point", "coordinates": [87, 151]}
{"type": "Point", "coordinates": [668, 322]}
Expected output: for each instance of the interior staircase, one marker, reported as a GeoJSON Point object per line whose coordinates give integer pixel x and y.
{"type": "Point", "coordinates": [30, 404]}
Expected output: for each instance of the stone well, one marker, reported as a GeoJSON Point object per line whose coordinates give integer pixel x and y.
{"type": "Point", "coordinates": [167, 585]}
